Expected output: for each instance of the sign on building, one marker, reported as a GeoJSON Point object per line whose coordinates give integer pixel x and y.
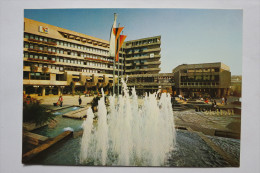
{"type": "Point", "coordinates": [43, 29]}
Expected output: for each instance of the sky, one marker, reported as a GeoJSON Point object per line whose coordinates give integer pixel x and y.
{"type": "Point", "coordinates": [188, 36]}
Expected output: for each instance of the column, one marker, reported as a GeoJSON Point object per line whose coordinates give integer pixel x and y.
{"type": "Point", "coordinates": [59, 90]}
{"type": "Point", "coordinates": [219, 92]}
{"type": "Point", "coordinates": [43, 90]}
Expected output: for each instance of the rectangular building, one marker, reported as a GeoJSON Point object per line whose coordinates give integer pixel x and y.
{"type": "Point", "coordinates": [57, 59]}
{"type": "Point", "coordinates": [142, 63]}
{"type": "Point", "coordinates": [207, 79]}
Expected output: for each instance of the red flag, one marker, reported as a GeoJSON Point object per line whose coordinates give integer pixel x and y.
{"type": "Point", "coordinates": [121, 41]}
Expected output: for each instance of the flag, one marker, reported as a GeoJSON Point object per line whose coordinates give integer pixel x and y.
{"type": "Point", "coordinates": [121, 41]}
{"type": "Point", "coordinates": [117, 32]}
{"type": "Point", "coordinates": [112, 49]}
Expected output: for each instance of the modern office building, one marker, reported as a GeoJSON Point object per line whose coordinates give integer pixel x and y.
{"type": "Point", "coordinates": [142, 61]}
{"type": "Point", "coordinates": [195, 80]}
{"type": "Point", "coordinates": [59, 60]}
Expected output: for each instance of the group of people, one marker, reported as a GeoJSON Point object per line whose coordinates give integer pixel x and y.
{"type": "Point", "coordinates": [60, 101]}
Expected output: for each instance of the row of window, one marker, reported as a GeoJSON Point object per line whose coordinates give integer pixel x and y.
{"type": "Point", "coordinates": [143, 42]}
{"type": "Point", "coordinates": [199, 84]}
{"type": "Point", "coordinates": [65, 60]}
{"type": "Point", "coordinates": [64, 43]}
{"type": "Point", "coordinates": [62, 51]}
{"type": "Point", "coordinates": [200, 70]}
{"type": "Point", "coordinates": [140, 61]}
{"type": "Point", "coordinates": [64, 68]}
{"type": "Point", "coordinates": [137, 55]}
{"type": "Point", "coordinates": [200, 78]}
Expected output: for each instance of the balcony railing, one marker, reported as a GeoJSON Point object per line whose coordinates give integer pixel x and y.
{"type": "Point", "coordinates": [144, 63]}
{"type": "Point", "coordinates": [141, 57]}
{"type": "Point", "coordinates": [42, 60]}
{"type": "Point", "coordinates": [142, 45]}
{"type": "Point", "coordinates": [143, 69]}
{"type": "Point", "coordinates": [41, 51]}
{"type": "Point", "coordinates": [144, 51]}
{"type": "Point", "coordinates": [99, 60]}
{"type": "Point", "coordinates": [43, 42]}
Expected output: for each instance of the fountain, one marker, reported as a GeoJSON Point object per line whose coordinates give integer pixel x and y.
{"type": "Point", "coordinates": [129, 134]}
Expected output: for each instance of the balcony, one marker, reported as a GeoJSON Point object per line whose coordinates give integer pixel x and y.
{"type": "Point", "coordinates": [40, 42]}
{"type": "Point", "coordinates": [144, 63]}
{"type": "Point", "coordinates": [44, 82]}
{"type": "Point", "coordinates": [98, 60]}
{"type": "Point", "coordinates": [143, 69]}
{"type": "Point", "coordinates": [145, 51]}
{"type": "Point", "coordinates": [142, 45]}
{"type": "Point", "coordinates": [149, 84]}
{"type": "Point", "coordinates": [40, 51]}
{"type": "Point", "coordinates": [142, 57]}
{"type": "Point", "coordinates": [41, 60]}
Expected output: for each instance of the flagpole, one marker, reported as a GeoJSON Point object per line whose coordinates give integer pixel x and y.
{"type": "Point", "coordinates": [114, 25]}
{"type": "Point", "coordinates": [118, 65]}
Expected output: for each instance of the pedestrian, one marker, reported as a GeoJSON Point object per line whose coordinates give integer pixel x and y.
{"type": "Point", "coordinates": [80, 100]}
{"type": "Point", "coordinates": [225, 99]}
{"type": "Point", "coordinates": [60, 101]}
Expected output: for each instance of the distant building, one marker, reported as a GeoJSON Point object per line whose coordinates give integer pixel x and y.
{"type": "Point", "coordinates": [207, 79]}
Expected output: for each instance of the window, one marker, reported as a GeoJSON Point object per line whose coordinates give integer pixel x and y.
{"type": "Point", "coordinates": [31, 56]}
{"type": "Point", "coordinates": [40, 57]}
{"type": "Point", "coordinates": [26, 35]}
{"type": "Point", "coordinates": [36, 37]}
{"type": "Point", "coordinates": [58, 42]}
{"type": "Point", "coordinates": [36, 56]}
{"type": "Point", "coordinates": [45, 39]}
{"type": "Point", "coordinates": [26, 45]}
{"type": "Point", "coordinates": [26, 55]}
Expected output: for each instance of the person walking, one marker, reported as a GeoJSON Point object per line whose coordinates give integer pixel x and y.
{"type": "Point", "coordinates": [80, 100]}
{"type": "Point", "coordinates": [225, 100]}
{"type": "Point", "coordinates": [60, 101]}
